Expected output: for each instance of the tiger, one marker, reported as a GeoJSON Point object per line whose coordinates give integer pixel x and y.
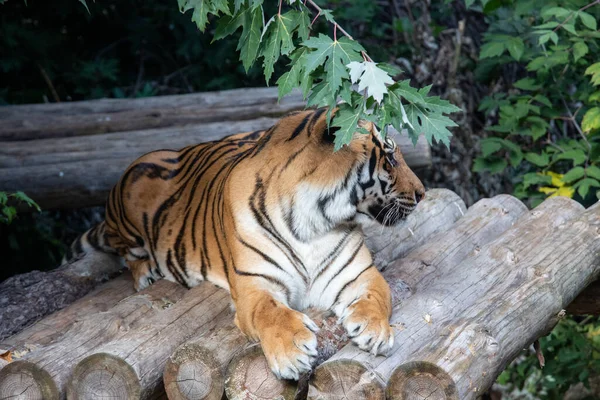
{"type": "Point", "coordinates": [270, 216]}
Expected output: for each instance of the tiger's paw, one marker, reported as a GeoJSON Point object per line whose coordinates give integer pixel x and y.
{"type": "Point", "coordinates": [290, 348]}
{"type": "Point", "coordinates": [368, 328]}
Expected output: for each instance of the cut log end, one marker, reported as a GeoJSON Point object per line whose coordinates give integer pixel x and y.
{"type": "Point", "coordinates": [193, 373]}
{"type": "Point", "coordinates": [249, 377]}
{"type": "Point", "coordinates": [25, 380]}
{"type": "Point", "coordinates": [103, 376]}
{"type": "Point", "coordinates": [421, 380]}
{"type": "Point", "coordinates": [344, 380]}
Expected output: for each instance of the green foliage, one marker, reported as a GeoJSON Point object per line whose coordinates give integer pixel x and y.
{"type": "Point", "coordinates": [545, 130]}
{"type": "Point", "coordinates": [8, 212]}
{"type": "Point", "coordinates": [325, 69]}
{"type": "Point", "coordinates": [145, 48]}
{"type": "Point", "coordinates": [548, 124]}
{"type": "Point", "coordinates": [572, 355]}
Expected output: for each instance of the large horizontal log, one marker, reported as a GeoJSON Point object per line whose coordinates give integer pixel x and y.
{"type": "Point", "coordinates": [80, 171]}
{"type": "Point", "coordinates": [28, 122]}
{"type": "Point", "coordinates": [473, 320]}
{"type": "Point", "coordinates": [26, 298]}
{"type": "Point", "coordinates": [438, 211]}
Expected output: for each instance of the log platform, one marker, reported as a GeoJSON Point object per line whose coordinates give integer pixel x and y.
{"type": "Point", "coordinates": [463, 282]}
{"type": "Point", "coordinates": [470, 287]}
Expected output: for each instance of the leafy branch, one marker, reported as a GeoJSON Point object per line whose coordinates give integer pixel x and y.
{"type": "Point", "coordinates": [325, 69]}
{"type": "Point", "coordinates": [8, 212]}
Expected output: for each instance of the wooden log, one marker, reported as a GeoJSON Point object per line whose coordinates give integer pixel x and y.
{"type": "Point", "coordinates": [26, 298]}
{"type": "Point", "coordinates": [474, 320]}
{"type": "Point", "coordinates": [211, 353]}
{"type": "Point", "coordinates": [51, 365]}
{"type": "Point", "coordinates": [39, 121]}
{"type": "Point", "coordinates": [345, 381]}
{"type": "Point", "coordinates": [421, 380]}
{"type": "Point", "coordinates": [54, 325]}
{"type": "Point", "coordinates": [245, 378]}
{"type": "Point", "coordinates": [120, 145]}
{"type": "Point", "coordinates": [79, 172]}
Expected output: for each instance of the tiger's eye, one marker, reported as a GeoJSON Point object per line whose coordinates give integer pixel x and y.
{"type": "Point", "coordinates": [392, 160]}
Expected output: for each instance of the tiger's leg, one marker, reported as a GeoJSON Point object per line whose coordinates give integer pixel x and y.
{"type": "Point", "coordinates": [287, 336]}
{"type": "Point", "coordinates": [143, 269]}
{"type": "Point", "coordinates": [364, 308]}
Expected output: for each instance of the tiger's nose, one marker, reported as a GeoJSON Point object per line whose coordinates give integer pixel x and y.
{"type": "Point", "coordinates": [419, 195]}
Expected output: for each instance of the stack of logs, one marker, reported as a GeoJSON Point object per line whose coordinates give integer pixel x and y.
{"type": "Point", "coordinates": [471, 288]}
{"type": "Point", "coordinates": [69, 155]}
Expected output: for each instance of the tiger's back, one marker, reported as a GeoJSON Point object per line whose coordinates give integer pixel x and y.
{"type": "Point", "coordinates": [163, 216]}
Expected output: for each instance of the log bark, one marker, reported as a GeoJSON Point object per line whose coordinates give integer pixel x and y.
{"type": "Point", "coordinates": [53, 363]}
{"type": "Point", "coordinates": [80, 171]}
{"type": "Point", "coordinates": [475, 319]}
{"type": "Point", "coordinates": [26, 298]}
{"type": "Point", "coordinates": [54, 325]}
{"type": "Point", "coordinates": [39, 121]}
{"type": "Point", "coordinates": [210, 353]}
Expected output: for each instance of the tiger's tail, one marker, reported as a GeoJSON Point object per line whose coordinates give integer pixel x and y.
{"type": "Point", "coordinates": [94, 239]}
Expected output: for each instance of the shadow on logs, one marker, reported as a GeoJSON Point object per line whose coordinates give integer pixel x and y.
{"type": "Point", "coordinates": [419, 380]}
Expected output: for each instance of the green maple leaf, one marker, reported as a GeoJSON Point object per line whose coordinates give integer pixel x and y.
{"type": "Point", "coordinates": [291, 79]}
{"type": "Point", "coordinates": [250, 39]}
{"type": "Point", "coordinates": [322, 95]}
{"type": "Point", "coordinates": [202, 8]}
{"type": "Point", "coordinates": [371, 78]}
{"type": "Point", "coordinates": [277, 39]}
{"type": "Point", "coordinates": [335, 54]}
{"type": "Point", "coordinates": [433, 125]}
{"type": "Point", "coordinates": [346, 118]}
{"type": "Point", "coordinates": [424, 113]}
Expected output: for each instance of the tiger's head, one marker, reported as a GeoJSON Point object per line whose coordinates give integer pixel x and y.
{"type": "Point", "coordinates": [387, 190]}
{"type": "Point", "coordinates": [369, 176]}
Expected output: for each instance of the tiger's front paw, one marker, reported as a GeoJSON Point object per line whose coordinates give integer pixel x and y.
{"type": "Point", "coordinates": [291, 347]}
{"type": "Point", "coordinates": [369, 328]}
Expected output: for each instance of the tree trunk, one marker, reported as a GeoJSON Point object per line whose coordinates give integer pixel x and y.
{"type": "Point", "coordinates": [210, 353]}
{"type": "Point", "coordinates": [50, 365]}
{"type": "Point", "coordinates": [80, 171]}
{"type": "Point", "coordinates": [474, 319]}
{"type": "Point", "coordinates": [83, 118]}
{"type": "Point", "coordinates": [26, 298]}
